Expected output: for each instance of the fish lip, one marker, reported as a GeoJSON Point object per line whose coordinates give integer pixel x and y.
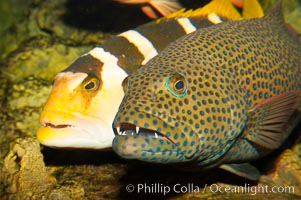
{"type": "Point", "coordinates": [57, 126]}
{"type": "Point", "coordinates": [124, 129]}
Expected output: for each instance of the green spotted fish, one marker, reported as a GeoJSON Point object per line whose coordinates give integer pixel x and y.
{"type": "Point", "coordinates": [218, 97]}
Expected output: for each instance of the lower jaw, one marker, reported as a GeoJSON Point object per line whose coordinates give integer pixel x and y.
{"type": "Point", "coordinates": [167, 157]}
{"type": "Point", "coordinates": [71, 138]}
{"type": "Point", "coordinates": [148, 149]}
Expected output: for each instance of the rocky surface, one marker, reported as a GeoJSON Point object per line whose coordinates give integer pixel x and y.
{"type": "Point", "coordinates": [25, 176]}
{"type": "Point", "coordinates": [24, 169]}
{"type": "Point", "coordinates": [40, 38]}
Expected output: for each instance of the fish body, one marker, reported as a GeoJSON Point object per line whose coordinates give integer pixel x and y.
{"type": "Point", "coordinates": [218, 97]}
{"type": "Point", "coordinates": [85, 96]}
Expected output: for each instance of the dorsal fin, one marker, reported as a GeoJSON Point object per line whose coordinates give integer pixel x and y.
{"type": "Point", "coordinates": [222, 8]}
{"type": "Point", "coordinates": [275, 14]}
{"type": "Point", "coordinates": [252, 9]}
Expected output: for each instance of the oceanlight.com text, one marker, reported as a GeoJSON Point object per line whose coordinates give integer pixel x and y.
{"type": "Point", "coordinates": [160, 188]}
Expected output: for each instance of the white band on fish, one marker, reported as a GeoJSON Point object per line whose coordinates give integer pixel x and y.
{"type": "Point", "coordinates": [186, 24]}
{"type": "Point", "coordinates": [145, 47]}
{"type": "Point", "coordinates": [110, 64]}
{"type": "Point", "coordinates": [214, 18]}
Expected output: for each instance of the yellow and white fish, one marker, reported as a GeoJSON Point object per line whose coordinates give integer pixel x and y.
{"type": "Point", "coordinates": [156, 8]}
{"type": "Point", "coordinates": [85, 96]}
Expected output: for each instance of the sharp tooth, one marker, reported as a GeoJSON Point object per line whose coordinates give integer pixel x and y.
{"type": "Point", "coordinates": [156, 135]}
{"type": "Point", "coordinates": [137, 130]}
{"type": "Point", "coordinates": [118, 130]}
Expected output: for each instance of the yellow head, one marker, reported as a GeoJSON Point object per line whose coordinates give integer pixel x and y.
{"type": "Point", "coordinates": [83, 102]}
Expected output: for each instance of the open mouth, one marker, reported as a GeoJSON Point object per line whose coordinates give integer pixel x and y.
{"type": "Point", "coordinates": [58, 126]}
{"type": "Point", "coordinates": [130, 129]}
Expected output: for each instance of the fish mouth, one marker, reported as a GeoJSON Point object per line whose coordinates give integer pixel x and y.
{"type": "Point", "coordinates": [68, 130]}
{"type": "Point", "coordinates": [58, 126]}
{"type": "Point", "coordinates": [125, 129]}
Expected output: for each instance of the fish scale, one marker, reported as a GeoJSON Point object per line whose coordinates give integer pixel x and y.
{"type": "Point", "coordinates": [220, 97]}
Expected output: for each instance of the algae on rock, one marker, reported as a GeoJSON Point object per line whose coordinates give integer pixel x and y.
{"type": "Point", "coordinates": [17, 24]}
{"type": "Point", "coordinates": [24, 172]}
{"type": "Point", "coordinates": [25, 176]}
{"type": "Point", "coordinates": [41, 57]}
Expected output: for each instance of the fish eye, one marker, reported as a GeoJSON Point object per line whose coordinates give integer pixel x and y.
{"type": "Point", "coordinates": [176, 84]}
{"type": "Point", "coordinates": [179, 85]}
{"type": "Point", "coordinates": [91, 84]}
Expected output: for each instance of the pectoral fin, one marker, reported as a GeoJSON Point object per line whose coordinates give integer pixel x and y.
{"type": "Point", "coordinates": [268, 121]}
{"type": "Point", "coordinates": [242, 169]}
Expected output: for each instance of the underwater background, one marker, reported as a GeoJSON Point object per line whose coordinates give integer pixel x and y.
{"type": "Point", "coordinates": [39, 38]}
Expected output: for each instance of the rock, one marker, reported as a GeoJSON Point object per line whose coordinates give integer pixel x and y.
{"type": "Point", "coordinates": [42, 58]}
{"type": "Point", "coordinates": [50, 18]}
{"type": "Point", "coordinates": [17, 24]}
{"type": "Point", "coordinates": [68, 190]}
{"type": "Point", "coordinates": [23, 173]}
{"type": "Point", "coordinates": [25, 176]}
{"type": "Point", "coordinates": [287, 172]}
{"type": "Point", "coordinates": [35, 19]}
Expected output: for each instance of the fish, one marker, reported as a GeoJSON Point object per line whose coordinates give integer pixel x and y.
{"type": "Point", "coordinates": [85, 96]}
{"type": "Point", "coordinates": [156, 8]}
{"type": "Point", "coordinates": [219, 97]}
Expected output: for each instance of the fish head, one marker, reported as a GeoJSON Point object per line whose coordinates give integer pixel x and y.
{"type": "Point", "coordinates": [147, 127]}
{"type": "Point", "coordinates": [181, 106]}
{"type": "Point", "coordinates": [82, 105]}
